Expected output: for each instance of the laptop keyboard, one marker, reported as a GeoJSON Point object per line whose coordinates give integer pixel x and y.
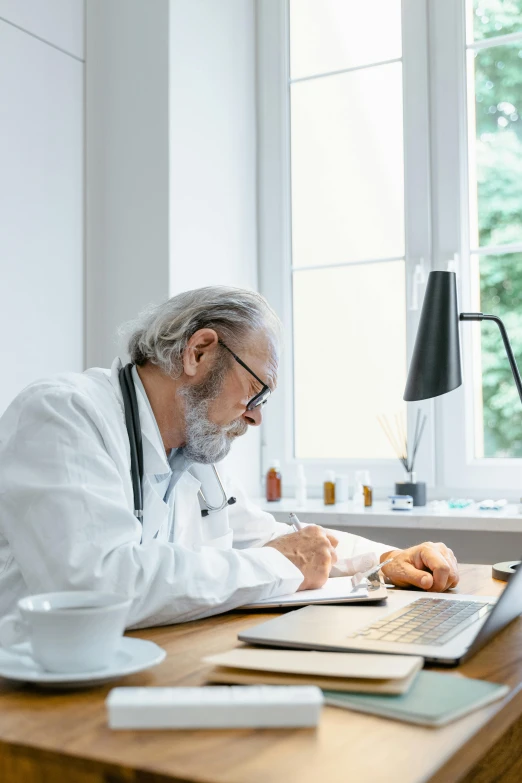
{"type": "Point", "coordinates": [425, 621]}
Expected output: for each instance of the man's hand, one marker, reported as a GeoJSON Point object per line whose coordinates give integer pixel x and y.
{"type": "Point", "coordinates": [430, 566]}
{"type": "Point", "coordinates": [312, 551]}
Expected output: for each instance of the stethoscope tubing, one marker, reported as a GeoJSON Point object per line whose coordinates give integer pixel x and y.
{"type": "Point", "coordinates": [132, 423]}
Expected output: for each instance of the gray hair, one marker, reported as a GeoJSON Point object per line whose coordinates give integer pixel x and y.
{"type": "Point", "coordinates": [161, 333]}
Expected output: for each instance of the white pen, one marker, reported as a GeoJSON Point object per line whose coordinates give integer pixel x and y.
{"type": "Point", "coordinates": [295, 522]}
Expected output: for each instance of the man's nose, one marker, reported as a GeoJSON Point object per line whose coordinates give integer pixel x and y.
{"type": "Point", "coordinates": [253, 417]}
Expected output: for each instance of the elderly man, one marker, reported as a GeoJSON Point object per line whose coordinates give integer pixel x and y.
{"type": "Point", "coordinates": [202, 365]}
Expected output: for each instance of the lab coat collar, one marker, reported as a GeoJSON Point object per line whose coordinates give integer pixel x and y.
{"type": "Point", "coordinates": [155, 510]}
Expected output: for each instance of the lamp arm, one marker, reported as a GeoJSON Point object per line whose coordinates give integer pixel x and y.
{"type": "Point", "coordinates": [507, 344]}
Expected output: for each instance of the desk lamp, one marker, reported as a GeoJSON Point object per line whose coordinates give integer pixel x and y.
{"type": "Point", "coordinates": [435, 366]}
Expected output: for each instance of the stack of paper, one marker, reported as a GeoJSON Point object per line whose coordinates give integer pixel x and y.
{"type": "Point", "coordinates": [355, 672]}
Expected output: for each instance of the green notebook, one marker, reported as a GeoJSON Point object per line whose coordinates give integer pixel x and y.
{"type": "Point", "coordinates": [434, 699]}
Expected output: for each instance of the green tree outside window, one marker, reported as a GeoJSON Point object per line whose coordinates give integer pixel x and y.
{"type": "Point", "coordinates": [498, 92]}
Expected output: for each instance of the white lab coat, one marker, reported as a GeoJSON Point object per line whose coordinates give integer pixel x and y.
{"type": "Point", "coordinates": [67, 522]}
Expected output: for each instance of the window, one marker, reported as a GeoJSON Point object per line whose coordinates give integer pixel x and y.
{"type": "Point", "coordinates": [384, 152]}
{"type": "Point", "coordinates": [347, 224]}
{"type": "Point", "coordinates": [494, 70]}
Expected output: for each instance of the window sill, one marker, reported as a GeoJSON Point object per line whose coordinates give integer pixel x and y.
{"type": "Point", "coordinates": [343, 515]}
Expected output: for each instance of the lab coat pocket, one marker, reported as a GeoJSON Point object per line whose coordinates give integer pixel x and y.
{"type": "Point", "coordinates": [192, 530]}
{"type": "Point", "coordinates": [187, 513]}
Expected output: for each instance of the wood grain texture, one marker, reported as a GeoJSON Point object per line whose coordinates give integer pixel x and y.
{"type": "Point", "coordinates": [503, 763]}
{"type": "Point", "coordinates": [55, 735]}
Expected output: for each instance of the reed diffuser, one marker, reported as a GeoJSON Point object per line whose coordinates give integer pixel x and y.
{"type": "Point", "coordinates": [397, 436]}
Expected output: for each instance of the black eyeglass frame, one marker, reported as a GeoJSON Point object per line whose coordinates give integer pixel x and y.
{"type": "Point", "coordinates": [262, 396]}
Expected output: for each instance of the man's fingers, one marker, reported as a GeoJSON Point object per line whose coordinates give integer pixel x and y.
{"type": "Point", "coordinates": [428, 566]}
{"type": "Point", "coordinates": [332, 539]}
{"type": "Point", "coordinates": [414, 576]}
{"type": "Point", "coordinates": [440, 569]}
{"type": "Point", "coordinates": [403, 572]}
{"type": "Point", "coordinates": [444, 573]}
{"type": "Point", "coordinates": [454, 575]}
{"type": "Point", "coordinates": [455, 567]}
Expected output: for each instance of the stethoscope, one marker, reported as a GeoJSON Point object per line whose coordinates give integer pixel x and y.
{"type": "Point", "coordinates": [132, 422]}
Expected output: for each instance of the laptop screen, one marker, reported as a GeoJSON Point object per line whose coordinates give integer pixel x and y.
{"type": "Point", "coordinates": [507, 609]}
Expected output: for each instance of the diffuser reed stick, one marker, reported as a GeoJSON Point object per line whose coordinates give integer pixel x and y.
{"type": "Point", "coordinates": [399, 441]}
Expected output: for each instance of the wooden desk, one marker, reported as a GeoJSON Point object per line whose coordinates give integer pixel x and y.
{"type": "Point", "coordinates": [59, 736]}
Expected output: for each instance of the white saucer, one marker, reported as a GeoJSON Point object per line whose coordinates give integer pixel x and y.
{"type": "Point", "coordinates": [134, 655]}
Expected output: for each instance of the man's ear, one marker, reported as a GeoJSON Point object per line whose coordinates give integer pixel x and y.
{"type": "Point", "coordinates": [199, 352]}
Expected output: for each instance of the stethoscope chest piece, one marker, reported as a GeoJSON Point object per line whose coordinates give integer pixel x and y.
{"type": "Point", "coordinates": [212, 509]}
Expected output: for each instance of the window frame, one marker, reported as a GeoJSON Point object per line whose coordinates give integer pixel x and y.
{"type": "Point", "coordinates": [457, 467]}
{"type": "Point", "coordinates": [436, 219]}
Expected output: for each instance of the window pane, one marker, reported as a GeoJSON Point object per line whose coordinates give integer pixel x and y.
{"type": "Point", "coordinates": [496, 150]}
{"type": "Point", "coordinates": [347, 167]}
{"type": "Point", "coordinates": [330, 35]}
{"type": "Point", "coordinates": [497, 401]}
{"type": "Point", "coordinates": [349, 359]}
{"type": "Point", "coordinates": [489, 18]}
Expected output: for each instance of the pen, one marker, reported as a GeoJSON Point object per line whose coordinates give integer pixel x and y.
{"type": "Point", "coordinates": [295, 522]}
{"type": "Point", "coordinates": [297, 525]}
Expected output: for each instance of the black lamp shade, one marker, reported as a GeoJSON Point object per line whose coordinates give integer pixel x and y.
{"type": "Point", "coordinates": [435, 365]}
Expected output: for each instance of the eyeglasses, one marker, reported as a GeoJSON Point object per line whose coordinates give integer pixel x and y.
{"type": "Point", "coordinates": [265, 392]}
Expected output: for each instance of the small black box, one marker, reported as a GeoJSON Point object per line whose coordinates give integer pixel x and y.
{"type": "Point", "coordinates": [417, 491]}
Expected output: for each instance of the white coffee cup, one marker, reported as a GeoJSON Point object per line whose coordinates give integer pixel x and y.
{"type": "Point", "coordinates": [77, 631]}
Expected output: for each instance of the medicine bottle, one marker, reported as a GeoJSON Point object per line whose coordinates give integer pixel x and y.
{"type": "Point", "coordinates": [362, 481]}
{"type": "Point", "coordinates": [329, 488]}
{"type": "Point", "coordinates": [273, 481]}
{"type": "Point", "coordinates": [367, 489]}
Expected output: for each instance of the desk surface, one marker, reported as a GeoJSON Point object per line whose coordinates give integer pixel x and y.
{"type": "Point", "coordinates": [55, 735]}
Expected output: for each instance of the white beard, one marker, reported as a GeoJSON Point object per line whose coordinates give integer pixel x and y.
{"type": "Point", "coordinates": [206, 442]}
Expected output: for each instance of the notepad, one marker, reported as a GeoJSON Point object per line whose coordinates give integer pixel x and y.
{"type": "Point", "coordinates": [356, 672]}
{"type": "Point", "coordinates": [336, 590]}
{"type": "Point", "coordinates": [434, 699]}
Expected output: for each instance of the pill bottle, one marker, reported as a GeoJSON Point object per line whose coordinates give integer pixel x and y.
{"type": "Point", "coordinates": [362, 478]}
{"type": "Point", "coordinates": [329, 488]}
{"type": "Point", "coordinates": [273, 481]}
{"type": "Point", "coordinates": [367, 489]}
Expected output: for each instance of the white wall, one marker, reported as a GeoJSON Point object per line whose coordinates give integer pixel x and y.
{"type": "Point", "coordinates": [127, 166]}
{"type": "Point", "coordinates": [171, 162]}
{"type": "Point", "coordinates": [59, 23]}
{"type": "Point", "coordinates": [213, 239]}
{"type": "Point", "coordinates": [213, 144]}
{"type": "Point", "coordinates": [41, 191]}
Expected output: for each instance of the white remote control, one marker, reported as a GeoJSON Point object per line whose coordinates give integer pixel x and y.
{"type": "Point", "coordinates": [209, 707]}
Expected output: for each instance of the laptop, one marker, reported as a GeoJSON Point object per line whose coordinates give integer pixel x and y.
{"type": "Point", "coordinates": [443, 628]}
